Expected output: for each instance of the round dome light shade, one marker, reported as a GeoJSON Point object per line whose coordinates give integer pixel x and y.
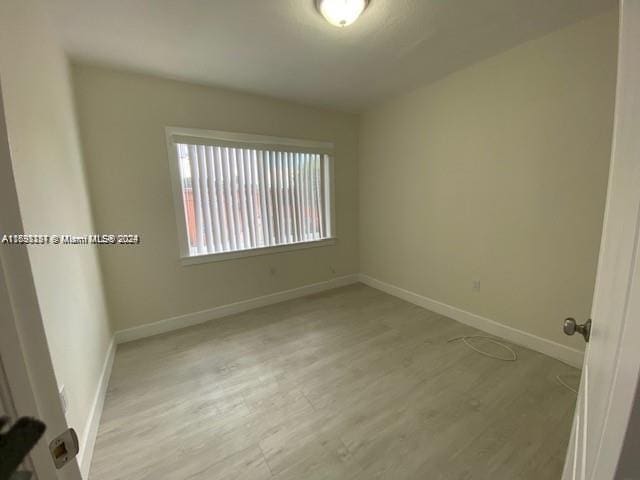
{"type": "Point", "coordinates": [341, 12]}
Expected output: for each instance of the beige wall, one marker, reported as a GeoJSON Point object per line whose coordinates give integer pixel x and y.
{"type": "Point", "coordinates": [497, 173]}
{"type": "Point", "coordinates": [53, 198]}
{"type": "Point", "coordinates": [122, 118]}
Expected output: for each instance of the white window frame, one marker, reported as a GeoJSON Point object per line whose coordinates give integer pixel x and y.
{"type": "Point", "coordinates": [255, 141]}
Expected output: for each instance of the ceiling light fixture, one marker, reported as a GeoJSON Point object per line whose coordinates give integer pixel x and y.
{"type": "Point", "coordinates": [341, 12]}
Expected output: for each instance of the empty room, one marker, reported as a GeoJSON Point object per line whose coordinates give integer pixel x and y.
{"type": "Point", "coordinates": [319, 239]}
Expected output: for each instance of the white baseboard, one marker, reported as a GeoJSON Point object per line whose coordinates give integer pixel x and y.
{"type": "Point", "coordinates": [548, 347]}
{"type": "Point", "coordinates": [195, 318]}
{"type": "Point", "coordinates": [88, 441]}
{"type": "Point", "coordinates": [553, 349]}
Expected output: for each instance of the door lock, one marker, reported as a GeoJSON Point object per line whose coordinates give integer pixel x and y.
{"type": "Point", "coordinates": [570, 327]}
{"type": "Point", "coordinates": [64, 448]}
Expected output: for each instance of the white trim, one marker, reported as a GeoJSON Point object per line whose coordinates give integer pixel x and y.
{"type": "Point", "coordinates": [252, 252]}
{"type": "Point", "coordinates": [246, 138]}
{"type": "Point", "coordinates": [195, 318]}
{"type": "Point", "coordinates": [330, 195]}
{"type": "Point", "coordinates": [548, 347]}
{"type": "Point", "coordinates": [178, 202]}
{"type": "Point", "coordinates": [324, 148]}
{"type": "Point", "coordinates": [88, 442]}
{"type": "Point", "coordinates": [553, 349]}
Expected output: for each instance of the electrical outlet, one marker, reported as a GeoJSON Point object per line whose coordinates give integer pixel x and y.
{"type": "Point", "coordinates": [64, 401]}
{"type": "Point", "coordinates": [476, 285]}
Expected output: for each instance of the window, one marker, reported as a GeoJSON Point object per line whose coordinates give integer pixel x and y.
{"type": "Point", "coordinates": [239, 194]}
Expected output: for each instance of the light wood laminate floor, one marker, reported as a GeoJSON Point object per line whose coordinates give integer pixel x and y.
{"type": "Point", "coordinates": [347, 384]}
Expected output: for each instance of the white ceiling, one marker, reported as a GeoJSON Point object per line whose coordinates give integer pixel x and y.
{"type": "Point", "coordinates": [285, 49]}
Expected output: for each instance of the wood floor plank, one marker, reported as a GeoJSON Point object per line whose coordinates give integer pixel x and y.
{"type": "Point", "coordinates": [346, 384]}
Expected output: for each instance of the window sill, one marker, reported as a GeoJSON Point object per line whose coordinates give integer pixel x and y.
{"type": "Point", "coordinates": [224, 256]}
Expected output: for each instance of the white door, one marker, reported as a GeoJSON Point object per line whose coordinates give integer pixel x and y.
{"type": "Point", "coordinates": [612, 358]}
{"type": "Point", "coordinates": [28, 386]}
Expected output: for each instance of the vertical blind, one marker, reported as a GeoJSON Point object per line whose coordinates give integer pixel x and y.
{"type": "Point", "coordinates": [245, 198]}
